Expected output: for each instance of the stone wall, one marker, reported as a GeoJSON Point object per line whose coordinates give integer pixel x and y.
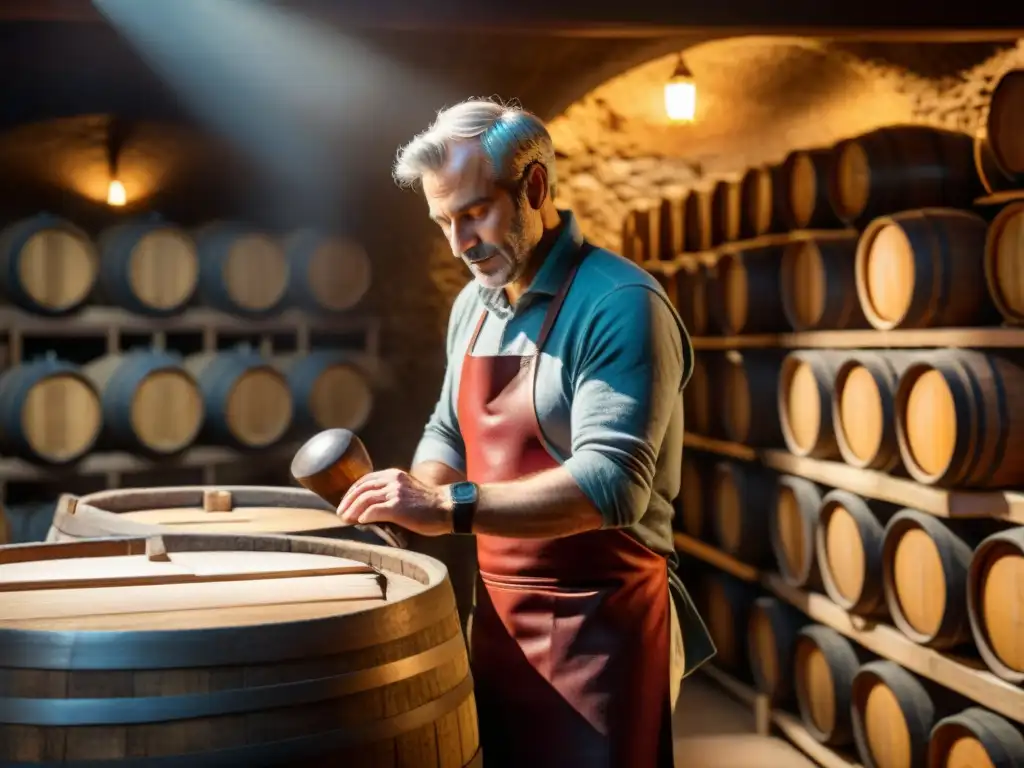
{"type": "Point", "coordinates": [758, 98]}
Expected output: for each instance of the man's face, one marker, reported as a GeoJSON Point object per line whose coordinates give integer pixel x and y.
{"type": "Point", "coordinates": [485, 225]}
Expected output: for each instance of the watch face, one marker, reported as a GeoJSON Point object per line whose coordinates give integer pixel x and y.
{"type": "Point", "coordinates": [464, 493]}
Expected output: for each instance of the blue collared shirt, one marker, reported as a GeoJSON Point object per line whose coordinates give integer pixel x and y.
{"type": "Point", "coordinates": [608, 391]}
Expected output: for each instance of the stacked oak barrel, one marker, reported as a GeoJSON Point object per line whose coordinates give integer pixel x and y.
{"type": "Point", "coordinates": [173, 378]}
{"type": "Point", "coordinates": [854, 458]}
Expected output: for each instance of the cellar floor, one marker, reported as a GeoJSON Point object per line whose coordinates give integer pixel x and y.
{"type": "Point", "coordinates": [713, 730]}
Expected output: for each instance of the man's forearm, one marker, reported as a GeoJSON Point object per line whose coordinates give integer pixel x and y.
{"type": "Point", "coordinates": [548, 504]}
{"type": "Point", "coordinates": [436, 473]}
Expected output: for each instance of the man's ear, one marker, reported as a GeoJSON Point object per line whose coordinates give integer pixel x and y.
{"type": "Point", "coordinates": [537, 190]}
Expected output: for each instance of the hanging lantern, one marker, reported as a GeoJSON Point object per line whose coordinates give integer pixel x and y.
{"type": "Point", "coordinates": [681, 94]}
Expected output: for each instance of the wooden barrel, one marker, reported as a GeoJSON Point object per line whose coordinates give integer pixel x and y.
{"type": "Point", "coordinates": [960, 420]}
{"type": "Point", "coordinates": [863, 408]}
{"type": "Point", "coordinates": [327, 273]}
{"type": "Point", "coordinates": [695, 494]}
{"type": "Point", "coordinates": [242, 270]}
{"type": "Point", "coordinates": [48, 266]}
{"type": "Point", "coordinates": [696, 221]}
{"type": "Point", "coordinates": [818, 285]}
{"type": "Point", "coordinates": [329, 390]}
{"type": "Point", "coordinates": [760, 193]}
{"type": "Point", "coordinates": [741, 527]}
{"type": "Point", "coordinates": [893, 712]}
{"type": "Point", "coordinates": [924, 269]}
{"type": "Point", "coordinates": [49, 412]}
{"type": "Point", "coordinates": [771, 636]}
{"type": "Point", "coordinates": [1005, 124]}
{"type": "Point", "coordinates": [805, 395]}
{"type": "Point", "coordinates": [994, 582]}
{"type": "Point", "coordinates": [666, 277]}
{"type": "Point", "coordinates": [701, 409]}
{"type": "Point", "coordinates": [1004, 255]}
{"type": "Point", "coordinates": [925, 562]}
{"type": "Point", "coordinates": [671, 228]}
{"type": "Point", "coordinates": [725, 602]}
{"type": "Point", "coordinates": [248, 403]}
{"type": "Point", "coordinates": [150, 402]}
{"type": "Point", "coordinates": [748, 397]}
{"type": "Point", "coordinates": [804, 190]}
{"type": "Point", "coordinates": [794, 521]}
{"type": "Point", "coordinates": [848, 544]}
{"type": "Point", "coordinates": [29, 521]}
{"type": "Point", "coordinates": [241, 510]}
{"type": "Point", "coordinates": [993, 177]}
{"type": "Point", "coordinates": [975, 738]}
{"type": "Point", "coordinates": [725, 211]}
{"type": "Point", "coordinates": [628, 243]}
{"type": "Point", "coordinates": [901, 167]}
{"type": "Point", "coordinates": [692, 286]}
{"type": "Point", "coordinates": [825, 664]}
{"type": "Point", "coordinates": [232, 650]}
{"type": "Point", "coordinates": [647, 234]}
{"type": "Point", "coordinates": [748, 297]}
{"type": "Point", "coordinates": [149, 267]}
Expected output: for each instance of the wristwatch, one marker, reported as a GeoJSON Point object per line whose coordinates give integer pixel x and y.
{"type": "Point", "coordinates": [464, 498]}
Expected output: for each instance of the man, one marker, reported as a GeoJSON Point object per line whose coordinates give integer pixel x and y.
{"type": "Point", "coordinates": [557, 440]}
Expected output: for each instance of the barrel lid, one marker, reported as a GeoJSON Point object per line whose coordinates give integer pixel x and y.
{"type": "Point", "coordinates": [149, 587]}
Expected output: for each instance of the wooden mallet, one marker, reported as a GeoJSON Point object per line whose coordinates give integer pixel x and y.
{"type": "Point", "coordinates": [329, 463]}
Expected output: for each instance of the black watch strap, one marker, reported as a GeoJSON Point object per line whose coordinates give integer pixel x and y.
{"type": "Point", "coordinates": [464, 498]}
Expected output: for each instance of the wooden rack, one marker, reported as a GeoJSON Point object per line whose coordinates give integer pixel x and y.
{"type": "Point", "coordinates": [1003, 505]}
{"type": "Point", "coordinates": [957, 674]}
{"type": "Point", "coordinates": [955, 338]}
{"type": "Point", "coordinates": [114, 323]}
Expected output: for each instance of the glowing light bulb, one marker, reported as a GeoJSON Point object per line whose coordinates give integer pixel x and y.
{"type": "Point", "coordinates": [681, 94]}
{"type": "Point", "coordinates": [681, 101]}
{"type": "Point", "coordinates": [116, 194]}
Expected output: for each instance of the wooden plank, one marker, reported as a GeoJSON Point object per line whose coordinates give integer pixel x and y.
{"type": "Point", "coordinates": [721, 447]}
{"type": "Point", "coordinates": [98, 320]}
{"type": "Point", "coordinates": [798, 736]}
{"type": "Point", "coordinates": [102, 462]}
{"type": "Point", "coordinates": [741, 691]}
{"type": "Point", "coordinates": [1003, 505]}
{"type": "Point", "coordinates": [94, 605]}
{"type": "Point", "coordinates": [967, 338]}
{"type": "Point", "coordinates": [874, 20]}
{"type": "Point", "coordinates": [100, 582]}
{"type": "Point", "coordinates": [708, 554]}
{"type": "Point", "coordinates": [961, 675]}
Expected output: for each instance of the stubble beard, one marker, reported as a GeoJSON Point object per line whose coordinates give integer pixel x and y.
{"type": "Point", "coordinates": [514, 254]}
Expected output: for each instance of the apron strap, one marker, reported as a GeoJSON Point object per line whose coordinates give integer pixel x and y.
{"type": "Point", "coordinates": [476, 332]}
{"type": "Point", "coordinates": [556, 303]}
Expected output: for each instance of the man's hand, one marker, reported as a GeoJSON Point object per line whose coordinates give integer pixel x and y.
{"type": "Point", "coordinates": [394, 496]}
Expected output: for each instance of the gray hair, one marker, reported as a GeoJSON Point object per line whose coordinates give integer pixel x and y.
{"type": "Point", "coordinates": [512, 139]}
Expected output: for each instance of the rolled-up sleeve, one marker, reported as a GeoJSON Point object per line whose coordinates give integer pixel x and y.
{"type": "Point", "coordinates": [442, 438]}
{"type": "Point", "coordinates": [630, 370]}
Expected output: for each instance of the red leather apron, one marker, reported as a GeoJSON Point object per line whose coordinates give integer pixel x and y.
{"type": "Point", "coordinates": [570, 636]}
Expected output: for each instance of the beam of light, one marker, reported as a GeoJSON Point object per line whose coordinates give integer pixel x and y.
{"type": "Point", "coordinates": [279, 86]}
